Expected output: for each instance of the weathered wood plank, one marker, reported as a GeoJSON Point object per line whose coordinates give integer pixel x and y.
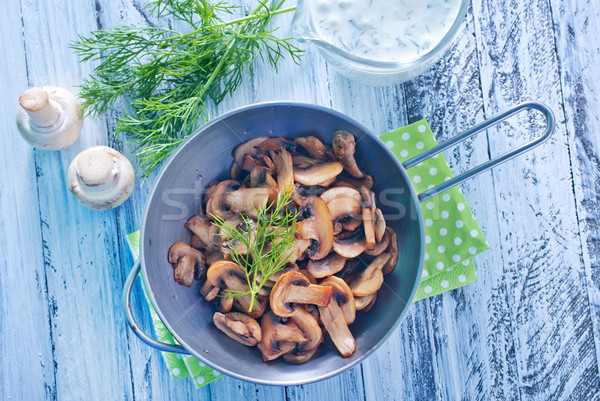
{"type": "Point", "coordinates": [27, 368]}
{"type": "Point", "coordinates": [576, 28]}
{"type": "Point", "coordinates": [543, 271]}
{"type": "Point", "coordinates": [80, 259]}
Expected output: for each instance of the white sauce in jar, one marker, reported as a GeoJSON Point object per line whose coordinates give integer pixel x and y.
{"type": "Point", "coordinates": [384, 30]}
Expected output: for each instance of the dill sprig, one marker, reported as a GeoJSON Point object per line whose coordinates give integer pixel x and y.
{"type": "Point", "coordinates": [168, 78]}
{"type": "Point", "coordinates": [267, 242]}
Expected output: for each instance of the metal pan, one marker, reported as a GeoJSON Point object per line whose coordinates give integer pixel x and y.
{"type": "Point", "coordinates": [206, 156]}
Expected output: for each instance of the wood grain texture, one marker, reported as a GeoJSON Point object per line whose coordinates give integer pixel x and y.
{"type": "Point", "coordinates": [528, 329]}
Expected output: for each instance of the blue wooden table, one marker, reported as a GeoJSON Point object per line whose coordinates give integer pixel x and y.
{"type": "Point", "coordinates": [528, 329]}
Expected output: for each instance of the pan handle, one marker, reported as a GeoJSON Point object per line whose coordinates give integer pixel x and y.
{"type": "Point", "coordinates": [476, 130]}
{"type": "Point", "coordinates": [126, 299]}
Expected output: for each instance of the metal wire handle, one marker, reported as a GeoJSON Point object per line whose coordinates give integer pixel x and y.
{"type": "Point", "coordinates": [126, 299]}
{"type": "Point", "coordinates": [476, 130]}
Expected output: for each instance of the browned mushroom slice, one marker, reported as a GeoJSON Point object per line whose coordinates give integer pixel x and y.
{"type": "Point", "coordinates": [247, 200]}
{"type": "Point", "coordinates": [289, 267]}
{"type": "Point", "coordinates": [314, 147]}
{"type": "Point", "coordinates": [327, 266]}
{"type": "Point", "coordinates": [345, 211]}
{"type": "Point", "coordinates": [379, 225]}
{"type": "Point", "coordinates": [196, 242]}
{"type": "Point", "coordinates": [338, 192]}
{"type": "Point", "coordinates": [350, 244]}
{"type": "Point", "coordinates": [392, 250]}
{"type": "Point", "coordinates": [350, 270]}
{"type": "Point", "coordinates": [370, 280]}
{"type": "Point", "coordinates": [249, 147]}
{"type": "Point", "coordinates": [187, 262]}
{"type": "Point", "coordinates": [231, 276]}
{"type": "Point", "coordinates": [260, 177]}
{"type": "Point", "coordinates": [302, 161]}
{"type": "Point", "coordinates": [266, 161]}
{"type": "Point", "coordinates": [260, 306]}
{"type": "Point", "coordinates": [310, 278]}
{"type": "Point", "coordinates": [284, 169]}
{"type": "Point", "coordinates": [343, 296]}
{"type": "Point", "coordinates": [235, 172]}
{"type": "Point", "coordinates": [298, 356]}
{"type": "Point", "coordinates": [239, 327]}
{"type": "Point", "coordinates": [319, 174]}
{"type": "Point", "coordinates": [317, 226]}
{"type": "Point", "coordinates": [296, 251]}
{"type": "Point", "coordinates": [209, 291]}
{"type": "Point", "coordinates": [278, 337]}
{"type": "Point", "coordinates": [216, 205]}
{"type": "Point", "coordinates": [213, 257]}
{"type": "Point", "coordinates": [346, 180]}
{"type": "Point", "coordinates": [276, 143]}
{"type": "Point", "coordinates": [294, 288]}
{"type": "Point", "coordinates": [344, 147]}
{"type": "Point", "coordinates": [381, 246]}
{"type": "Point", "coordinates": [335, 324]}
{"type": "Point", "coordinates": [200, 226]}
{"type": "Point", "coordinates": [208, 191]}
{"type": "Point", "coordinates": [224, 304]}
{"type": "Point", "coordinates": [368, 216]}
{"type": "Point", "coordinates": [309, 326]}
{"type": "Point", "coordinates": [365, 303]}
{"type": "Point", "coordinates": [248, 163]}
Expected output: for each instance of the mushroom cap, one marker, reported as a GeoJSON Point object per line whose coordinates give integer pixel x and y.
{"type": "Point", "coordinates": [316, 226]}
{"type": "Point", "coordinates": [350, 244]}
{"type": "Point", "coordinates": [392, 250]}
{"type": "Point", "coordinates": [200, 226]}
{"type": "Point", "coordinates": [327, 266]}
{"type": "Point", "coordinates": [49, 117]}
{"type": "Point", "coordinates": [321, 174]}
{"type": "Point", "coordinates": [231, 276]}
{"type": "Point", "coordinates": [370, 280]}
{"type": "Point", "coordinates": [239, 326]}
{"type": "Point", "coordinates": [101, 178]}
{"type": "Point", "coordinates": [294, 287]}
{"type": "Point", "coordinates": [344, 147]}
{"type": "Point", "coordinates": [187, 262]}
{"type": "Point", "coordinates": [284, 169]}
{"type": "Point", "coordinates": [343, 296]}
{"type": "Point", "coordinates": [250, 147]}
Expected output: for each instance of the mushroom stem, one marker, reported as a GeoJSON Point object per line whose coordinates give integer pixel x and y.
{"type": "Point", "coordinates": [313, 294]}
{"type": "Point", "coordinates": [338, 330]}
{"type": "Point", "coordinates": [43, 112]}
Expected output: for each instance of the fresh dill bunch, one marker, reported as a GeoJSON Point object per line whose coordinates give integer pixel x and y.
{"type": "Point", "coordinates": [267, 242]}
{"type": "Point", "coordinates": [168, 78]}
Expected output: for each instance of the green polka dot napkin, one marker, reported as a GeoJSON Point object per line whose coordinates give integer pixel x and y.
{"type": "Point", "coordinates": [452, 235]}
{"type": "Point", "coordinates": [452, 238]}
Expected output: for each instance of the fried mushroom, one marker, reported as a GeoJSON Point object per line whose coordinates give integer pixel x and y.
{"type": "Point", "coordinates": [344, 147]}
{"type": "Point", "coordinates": [321, 174]}
{"type": "Point", "coordinates": [279, 336]}
{"type": "Point", "coordinates": [317, 226]}
{"type": "Point", "coordinates": [370, 280]}
{"type": "Point", "coordinates": [239, 327]}
{"type": "Point", "coordinates": [188, 263]}
{"type": "Point", "coordinates": [294, 288]}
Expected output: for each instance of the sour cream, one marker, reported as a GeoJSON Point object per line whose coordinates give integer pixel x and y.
{"type": "Point", "coordinates": [384, 30]}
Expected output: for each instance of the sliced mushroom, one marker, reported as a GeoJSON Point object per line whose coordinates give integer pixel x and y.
{"type": "Point", "coordinates": [314, 147]}
{"type": "Point", "coordinates": [187, 262]}
{"type": "Point", "coordinates": [345, 213]}
{"type": "Point", "coordinates": [309, 325]}
{"type": "Point", "coordinates": [260, 177]}
{"type": "Point", "coordinates": [303, 192]}
{"type": "Point", "coordinates": [208, 191]}
{"type": "Point", "coordinates": [278, 336]}
{"type": "Point", "coordinates": [379, 225]}
{"type": "Point", "coordinates": [294, 288]}
{"type": "Point", "coordinates": [346, 180]}
{"type": "Point", "coordinates": [365, 303]}
{"type": "Point", "coordinates": [319, 174]}
{"type": "Point", "coordinates": [338, 192]}
{"type": "Point", "coordinates": [343, 296]}
{"type": "Point", "coordinates": [209, 291]}
{"type": "Point", "coordinates": [349, 271]}
{"type": "Point", "coordinates": [292, 254]}
{"type": "Point", "coordinates": [231, 276]}
{"type": "Point", "coordinates": [248, 200]}
{"type": "Point", "coordinates": [327, 266]}
{"type": "Point", "coordinates": [249, 147]}
{"type": "Point", "coordinates": [316, 226]}
{"type": "Point", "coordinates": [235, 171]}
{"type": "Point", "coordinates": [302, 161]}
{"type": "Point", "coordinates": [370, 280]}
{"type": "Point", "coordinates": [290, 267]}
{"type": "Point", "coordinates": [381, 246]}
{"type": "Point", "coordinates": [350, 244]}
{"type": "Point", "coordinates": [239, 326]}
{"type": "Point", "coordinates": [344, 147]}
{"type": "Point", "coordinates": [276, 143]}
{"type": "Point", "coordinates": [216, 205]}
{"type": "Point", "coordinates": [335, 324]}
{"type": "Point", "coordinates": [368, 216]}
{"type": "Point", "coordinates": [200, 226]}
{"type": "Point", "coordinates": [297, 356]}
{"type": "Point", "coordinates": [392, 250]}
{"type": "Point", "coordinates": [224, 303]}
{"type": "Point", "coordinates": [284, 169]}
